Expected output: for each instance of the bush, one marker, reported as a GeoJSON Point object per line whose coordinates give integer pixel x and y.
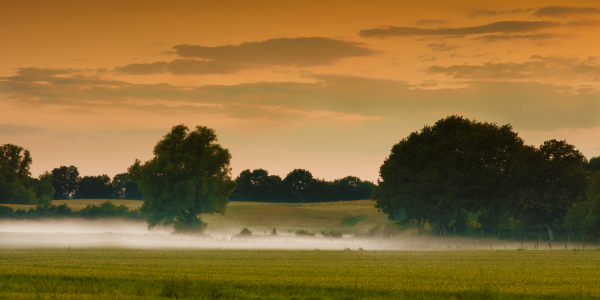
{"type": "Point", "coordinates": [303, 232]}
{"type": "Point", "coordinates": [333, 234]}
{"type": "Point", "coordinates": [245, 231]}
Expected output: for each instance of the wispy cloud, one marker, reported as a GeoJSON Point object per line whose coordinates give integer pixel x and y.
{"type": "Point", "coordinates": [441, 47]}
{"type": "Point", "coordinates": [537, 67]}
{"type": "Point", "coordinates": [300, 52]}
{"type": "Point", "coordinates": [332, 99]}
{"type": "Point", "coordinates": [430, 22]}
{"type": "Point", "coordinates": [11, 129]}
{"type": "Point", "coordinates": [489, 13]}
{"type": "Point", "coordinates": [504, 27]}
{"type": "Point", "coordinates": [565, 11]}
{"type": "Point", "coordinates": [530, 37]}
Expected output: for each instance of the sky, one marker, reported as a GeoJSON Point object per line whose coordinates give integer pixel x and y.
{"type": "Point", "coordinates": [327, 86]}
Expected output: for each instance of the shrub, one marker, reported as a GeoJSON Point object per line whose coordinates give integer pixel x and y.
{"type": "Point", "coordinates": [245, 231]}
{"type": "Point", "coordinates": [303, 232]}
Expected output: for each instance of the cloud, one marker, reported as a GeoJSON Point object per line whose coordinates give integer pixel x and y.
{"type": "Point", "coordinates": [330, 101]}
{"type": "Point", "coordinates": [300, 52]}
{"type": "Point", "coordinates": [311, 51]}
{"type": "Point", "coordinates": [537, 67]}
{"type": "Point", "coordinates": [441, 47]}
{"type": "Point", "coordinates": [430, 22]}
{"type": "Point", "coordinates": [531, 37]}
{"type": "Point", "coordinates": [19, 130]}
{"type": "Point", "coordinates": [490, 13]}
{"type": "Point", "coordinates": [181, 66]}
{"type": "Point", "coordinates": [565, 11]}
{"type": "Point", "coordinates": [505, 27]}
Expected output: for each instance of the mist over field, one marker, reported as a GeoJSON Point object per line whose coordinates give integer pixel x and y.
{"type": "Point", "coordinates": [74, 233]}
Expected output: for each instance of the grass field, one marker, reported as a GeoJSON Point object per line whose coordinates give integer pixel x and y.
{"type": "Point", "coordinates": [347, 216]}
{"type": "Point", "coordinates": [235, 274]}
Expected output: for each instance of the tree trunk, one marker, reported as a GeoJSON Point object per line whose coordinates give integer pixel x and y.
{"type": "Point", "coordinates": [457, 220]}
{"type": "Point", "coordinates": [496, 225]}
{"type": "Point", "coordinates": [550, 233]}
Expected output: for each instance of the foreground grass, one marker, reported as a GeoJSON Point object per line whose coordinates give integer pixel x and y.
{"type": "Point", "coordinates": [234, 274]}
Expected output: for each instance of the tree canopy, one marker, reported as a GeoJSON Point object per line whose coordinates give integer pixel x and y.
{"type": "Point", "coordinates": [298, 186]}
{"type": "Point", "coordinates": [188, 176]}
{"type": "Point", "coordinates": [15, 183]}
{"type": "Point", "coordinates": [461, 166]}
{"type": "Point", "coordinates": [65, 180]}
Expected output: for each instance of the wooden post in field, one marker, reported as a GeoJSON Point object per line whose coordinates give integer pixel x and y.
{"type": "Point", "coordinates": [566, 246]}
{"type": "Point", "coordinates": [550, 245]}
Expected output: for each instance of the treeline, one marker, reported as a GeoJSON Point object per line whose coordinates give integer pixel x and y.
{"type": "Point", "coordinates": [69, 185]}
{"type": "Point", "coordinates": [460, 175]}
{"type": "Point", "coordinates": [91, 211]}
{"type": "Point", "coordinates": [18, 187]}
{"type": "Point", "coordinates": [299, 186]}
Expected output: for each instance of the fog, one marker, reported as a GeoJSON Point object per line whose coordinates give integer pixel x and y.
{"type": "Point", "coordinates": [127, 234]}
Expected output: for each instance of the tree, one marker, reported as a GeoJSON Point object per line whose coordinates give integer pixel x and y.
{"type": "Point", "coordinates": [352, 188]}
{"type": "Point", "coordinates": [593, 165]}
{"type": "Point", "coordinates": [64, 180]}
{"type": "Point", "coordinates": [256, 186]}
{"type": "Point", "coordinates": [296, 185]}
{"type": "Point", "coordinates": [43, 188]}
{"type": "Point", "coordinates": [15, 184]}
{"type": "Point", "coordinates": [125, 188]}
{"type": "Point", "coordinates": [188, 176]}
{"type": "Point", "coordinates": [454, 166]}
{"type": "Point", "coordinates": [548, 181]}
{"type": "Point", "coordinates": [95, 187]}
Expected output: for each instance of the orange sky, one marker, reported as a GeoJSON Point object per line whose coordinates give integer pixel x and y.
{"type": "Point", "coordinates": [328, 87]}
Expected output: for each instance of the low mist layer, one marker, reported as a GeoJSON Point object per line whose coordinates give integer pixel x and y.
{"type": "Point", "coordinates": [126, 234]}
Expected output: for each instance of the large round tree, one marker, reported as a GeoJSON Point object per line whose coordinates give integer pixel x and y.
{"type": "Point", "coordinates": [437, 174]}
{"type": "Point", "coordinates": [188, 176]}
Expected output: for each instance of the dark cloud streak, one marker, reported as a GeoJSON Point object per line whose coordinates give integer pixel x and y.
{"type": "Point", "coordinates": [537, 67]}
{"type": "Point", "coordinates": [565, 11]}
{"type": "Point", "coordinates": [531, 37]}
{"type": "Point", "coordinates": [496, 27]}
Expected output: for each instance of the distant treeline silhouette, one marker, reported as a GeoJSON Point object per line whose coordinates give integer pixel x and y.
{"type": "Point", "coordinates": [91, 211]}
{"type": "Point", "coordinates": [18, 187]}
{"type": "Point", "coordinates": [298, 186]}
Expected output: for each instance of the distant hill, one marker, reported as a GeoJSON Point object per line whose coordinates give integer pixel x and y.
{"type": "Point", "coordinates": [346, 216]}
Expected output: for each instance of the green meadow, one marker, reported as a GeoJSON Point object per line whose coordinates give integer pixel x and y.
{"type": "Point", "coordinates": [345, 216]}
{"type": "Point", "coordinates": [261, 274]}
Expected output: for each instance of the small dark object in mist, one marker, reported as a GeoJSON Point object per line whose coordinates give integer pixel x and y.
{"type": "Point", "coordinates": [245, 231]}
{"type": "Point", "coordinates": [303, 232]}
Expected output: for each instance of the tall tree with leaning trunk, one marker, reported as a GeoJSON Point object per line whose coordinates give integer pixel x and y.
{"type": "Point", "coordinates": [188, 176]}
